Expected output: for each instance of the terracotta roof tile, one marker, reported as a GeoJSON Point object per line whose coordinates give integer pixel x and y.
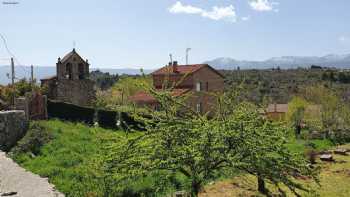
{"type": "Point", "coordinates": [144, 97]}
{"type": "Point", "coordinates": [181, 69]}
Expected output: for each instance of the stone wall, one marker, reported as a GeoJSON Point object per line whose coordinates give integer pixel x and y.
{"type": "Point", "coordinates": [78, 92]}
{"type": "Point", "coordinates": [13, 126]}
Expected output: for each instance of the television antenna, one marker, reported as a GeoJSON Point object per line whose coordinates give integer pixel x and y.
{"type": "Point", "coordinates": [171, 58]}
{"type": "Point", "coordinates": [187, 50]}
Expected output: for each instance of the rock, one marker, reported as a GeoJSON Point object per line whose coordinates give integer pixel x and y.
{"type": "Point", "coordinates": [326, 157]}
{"type": "Point", "coordinates": [180, 194]}
{"type": "Point", "coordinates": [340, 151]}
{"type": "Point", "coordinates": [327, 152]}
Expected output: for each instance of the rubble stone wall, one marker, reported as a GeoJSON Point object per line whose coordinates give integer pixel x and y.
{"type": "Point", "coordinates": [78, 92]}
{"type": "Point", "coordinates": [13, 126]}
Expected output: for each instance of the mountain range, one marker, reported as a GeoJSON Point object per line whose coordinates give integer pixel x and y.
{"type": "Point", "coordinates": [284, 62]}
{"type": "Point", "coordinates": [224, 63]}
{"type": "Point", "coordinates": [41, 72]}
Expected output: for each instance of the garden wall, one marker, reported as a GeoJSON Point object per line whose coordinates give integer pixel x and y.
{"type": "Point", "coordinates": [105, 119]}
{"type": "Point", "coordinates": [13, 126]}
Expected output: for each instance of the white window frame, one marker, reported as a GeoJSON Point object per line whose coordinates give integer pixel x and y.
{"type": "Point", "coordinates": [199, 107]}
{"type": "Point", "coordinates": [199, 86]}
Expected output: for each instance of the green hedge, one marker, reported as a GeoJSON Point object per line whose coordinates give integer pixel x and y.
{"type": "Point", "coordinates": [105, 119]}
{"type": "Point", "coordinates": [70, 112]}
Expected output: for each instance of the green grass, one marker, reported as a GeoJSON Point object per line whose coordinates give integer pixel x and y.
{"type": "Point", "coordinates": [70, 154]}
{"type": "Point", "coordinates": [70, 159]}
{"type": "Point", "coordinates": [334, 182]}
{"type": "Point", "coordinates": [299, 145]}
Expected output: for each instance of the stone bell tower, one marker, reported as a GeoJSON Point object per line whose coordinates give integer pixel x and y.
{"type": "Point", "coordinates": [72, 83]}
{"type": "Point", "coordinates": [72, 67]}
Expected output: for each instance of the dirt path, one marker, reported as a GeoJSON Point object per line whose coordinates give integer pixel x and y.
{"type": "Point", "coordinates": [21, 183]}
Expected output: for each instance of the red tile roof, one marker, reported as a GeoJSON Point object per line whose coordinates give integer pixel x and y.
{"type": "Point", "coordinates": [143, 97]}
{"type": "Point", "coordinates": [181, 69]}
{"type": "Point", "coordinates": [179, 92]}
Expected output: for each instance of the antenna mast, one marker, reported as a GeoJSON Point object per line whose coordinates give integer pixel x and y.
{"type": "Point", "coordinates": [187, 50]}
{"type": "Point", "coordinates": [171, 58]}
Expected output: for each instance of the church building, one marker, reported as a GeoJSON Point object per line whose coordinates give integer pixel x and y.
{"type": "Point", "coordinates": [71, 83]}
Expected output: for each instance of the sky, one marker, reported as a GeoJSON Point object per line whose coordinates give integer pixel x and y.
{"type": "Point", "coordinates": [142, 33]}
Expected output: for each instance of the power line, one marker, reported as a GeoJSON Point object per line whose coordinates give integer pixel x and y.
{"type": "Point", "coordinates": [5, 44]}
{"type": "Point", "coordinates": [12, 55]}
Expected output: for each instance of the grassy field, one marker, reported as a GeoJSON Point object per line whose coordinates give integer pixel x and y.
{"type": "Point", "coordinates": [334, 180]}
{"type": "Point", "coordinates": [70, 158]}
{"type": "Point", "coordinates": [68, 154]}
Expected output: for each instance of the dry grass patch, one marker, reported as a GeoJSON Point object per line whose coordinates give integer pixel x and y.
{"type": "Point", "coordinates": [334, 179]}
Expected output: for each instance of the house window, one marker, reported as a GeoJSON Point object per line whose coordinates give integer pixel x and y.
{"type": "Point", "coordinates": [199, 107]}
{"type": "Point", "coordinates": [198, 86]}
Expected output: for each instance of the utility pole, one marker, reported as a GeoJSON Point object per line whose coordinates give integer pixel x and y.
{"type": "Point", "coordinates": [187, 50]}
{"type": "Point", "coordinates": [32, 75]}
{"type": "Point", "coordinates": [13, 81]}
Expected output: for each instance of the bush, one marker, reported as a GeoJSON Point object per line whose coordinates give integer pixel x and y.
{"type": "Point", "coordinates": [341, 136]}
{"type": "Point", "coordinates": [35, 138]}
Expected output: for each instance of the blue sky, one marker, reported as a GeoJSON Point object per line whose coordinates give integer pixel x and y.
{"type": "Point", "coordinates": [142, 33]}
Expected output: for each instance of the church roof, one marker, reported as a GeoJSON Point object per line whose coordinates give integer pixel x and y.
{"type": "Point", "coordinates": [70, 54]}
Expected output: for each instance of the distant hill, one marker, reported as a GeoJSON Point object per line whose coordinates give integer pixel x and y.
{"type": "Point", "coordinates": [43, 72]}
{"type": "Point", "coordinates": [285, 62]}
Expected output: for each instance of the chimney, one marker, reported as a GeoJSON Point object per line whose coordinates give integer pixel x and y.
{"type": "Point", "coordinates": [175, 67]}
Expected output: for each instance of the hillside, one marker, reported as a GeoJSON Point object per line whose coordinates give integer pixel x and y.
{"type": "Point", "coordinates": [282, 85]}
{"type": "Point", "coordinates": [284, 62]}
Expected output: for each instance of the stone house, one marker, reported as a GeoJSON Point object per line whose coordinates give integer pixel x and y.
{"type": "Point", "coordinates": [71, 83]}
{"type": "Point", "coordinates": [276, 111]}
{"type": "Point", "coordinates": [199, 81]}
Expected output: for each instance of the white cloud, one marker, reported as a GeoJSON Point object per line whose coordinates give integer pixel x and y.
{"type": "Point", "coordinates": [217, 13]}
{"type": "Point", "coordinates": [178, 8]}
{"type": "Point", "coordinates": [263, 5]}
{"type": "Point", "coordinates": [344, 39]}
{"type": "Point", "coordinates": [245, 18]}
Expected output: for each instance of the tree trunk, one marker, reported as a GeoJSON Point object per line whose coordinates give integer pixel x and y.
{"type": "Point", "coordinates": [196, 186]}
{"type": "Point", "coordinates": [261, 185]}
{"type": "Point", "coordinates": [297, 130]}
